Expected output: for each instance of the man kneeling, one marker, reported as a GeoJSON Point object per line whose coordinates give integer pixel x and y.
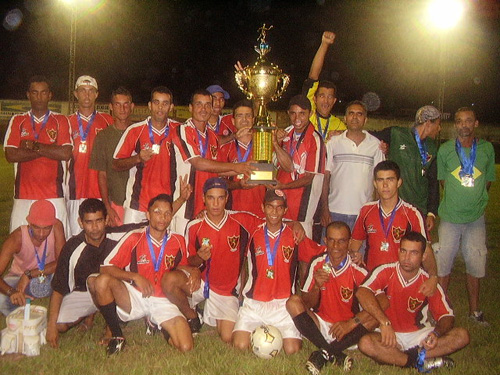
{"type": "Point", "coordinates": [406, 339]}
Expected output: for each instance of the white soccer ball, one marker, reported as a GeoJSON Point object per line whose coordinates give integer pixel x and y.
{"type": "Point", "coordinates": [266, 341]}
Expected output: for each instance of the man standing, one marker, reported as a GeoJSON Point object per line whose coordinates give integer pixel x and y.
{"type": "Point", "coordinates": [81, 256]}
{"type": "Point", "coordinates": [305, 146]}
{"type": "Point", "coordinates": [415, 151]}
{"type": "Point", "coordinates": [322, 94]}
{"type": "Point", "coordinates": [221, 125]}
{"type": "Point", "coordinates": [466, 168]}
{"type": "Point", "coordinates": [85, 124]}
{"type": "Point", "coordinates": [129, 286]}
{"type": "Point", "coordinates": [351, 157]}
{"type": "Point", "coordinates": [112, 183]}
{"type": "Point", "coordinates": [33, 250]}
{"type": "Point", "coordinates": [38, 142]}
{"type": "Point", "coordinates": [406, 338]}
{"type": "Point", "coordinates": [327, 312]}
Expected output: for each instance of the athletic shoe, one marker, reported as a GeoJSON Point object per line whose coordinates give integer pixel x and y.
{"type": "Point", "coordinates": [195, 325]}
{"type": "Point", "coordinates": [115, 345]}
{"type": "Point", "coordinates": [343, 361]}
{"type": "Point", "coordinates": [438, 362]}
{"type": "Point", "coordinates": [316, 361]}
{"type": "Point", "coordinates": [151, 329]}
{"type": "Point", "coordinates": [478, 317]}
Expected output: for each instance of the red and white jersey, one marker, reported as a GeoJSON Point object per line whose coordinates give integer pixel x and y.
{"type": "Point", "coordinates": [408, 307]}
{"type": "Point", "coordinates": [266, 283]}
{"type": "Point", "coordinates": [223, 127]}
{"type": "Point", "coordinates": [249, 200]}
{"type": "Point", "coordinates": [132, 254]}
{"type": "Point", "coordinates": [188, 144]}
{"type": "Point", "coordinates": [337, 295]}
{"type": "Point", "coordinates": [40, 178]}
{"type": "Point", "coordinates": [308, 249]}
{"type": "Point", "coordinates": [309, 155]}
{"type": "Point", "coordinates": [82, 181]}
{"type": "Point", "coordinates": [157, 175]}
{"type": "Point", "coordinates": [229, 240]}
{"type": "Point", "coordinates": [379, 249]}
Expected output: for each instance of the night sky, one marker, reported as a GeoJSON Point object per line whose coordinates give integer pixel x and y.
{"type": "Point", "coordinates": [387, 47]}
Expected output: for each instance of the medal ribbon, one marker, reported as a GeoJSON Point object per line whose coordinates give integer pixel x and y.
{"type": "Point", "coordinates": [40, 263]}
{"type": "Point", "coordinates": [203, 148]}
{"type": "Point", "coordinates": [156, 262]}
{"type": "Point", "coordinates": [217, 126]}
{"type": "Point", "coordinates": [206, 288]}
{"type": "Point", "coordinates": [292, 149]}
{"type": "Point", "coordinates": [84, 135]}
{"type": "Point", "coordinates": [422, 148]}
{"type": "Point", "coordinates": [467, 163]}
{"type": "Point", "coordinates": [271, 256]}
{"type": "Point", "coordinates": [46, 118]}
{"type": "Point", "coordinates": [342, 264]}
{"type": "Point", "coordinates": [247, 152]}
{"type": "Point", "coordinates": [325, 131]}
{"type": "Point", "coordinates": [151, 136]}
{"type": "Point", "coordinates": [391, 220]}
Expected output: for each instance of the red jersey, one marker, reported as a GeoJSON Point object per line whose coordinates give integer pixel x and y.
{"type": "Point", "coordinates": [40, 178]}
{"type": "Point", "coordinates": [408, 307]}
{"type": "Point", "coordinates": [309, 155]}
{"type": "Point", "coordinates": [82, 181]}
{"type": "Point", "coordinates": [229, 240]}
{"type": "Point", "coordinates": [249, 200]}
{"type": "Point", "coordinates": [132, 254]}
{"type": "Point", "coordinates": [379, 249]}
{"type": "Point", "coordinates": [266, 283]}
{"type": "Point", "coordinates": [157, 175]}
{"type": "Point", "coordinates": [224, 126]}
{"type": "Point", "coordinates": [337, 299]}
{"type": "Point", "coordinates": [190, 143]}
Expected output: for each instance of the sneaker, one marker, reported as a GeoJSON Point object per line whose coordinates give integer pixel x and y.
{"type": "Point", "coordinates": [195, 325]}
{"type": "Point", "coordinates": [433, 363]}
{"type": "Point", "coordinates": [316, 362]}
{"type": "Point", "coordinates": [115, 345]}
{"type": "Point", "coordinates": [343, 361]}
{"type": "Point", "coordinates": [151, 329]}
{"type": "Point", "coordinates": [478, 317]}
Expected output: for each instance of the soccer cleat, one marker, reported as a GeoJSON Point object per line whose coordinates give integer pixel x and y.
{"type": "Point", "coordinates": [195, 325]}
{"type": "Point", "coordinates": [478, 317]}
{"type": "Point", "coordinates": [437, 362]}
{"type": "Point", "coordinates": [341, 360]}
{"type": "Point", "coordinates": [115, 345]}
{"type": "Point", "coordinates": [316, 361]}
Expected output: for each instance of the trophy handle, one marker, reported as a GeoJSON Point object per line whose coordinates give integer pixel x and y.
{"type": "Point", "coordinates": [283, 81]}
{"type": "Point", "coordinates": [242, 82]}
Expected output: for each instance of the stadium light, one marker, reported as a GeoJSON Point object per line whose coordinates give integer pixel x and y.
{"type": "Point", "coordinates": [445, 14]}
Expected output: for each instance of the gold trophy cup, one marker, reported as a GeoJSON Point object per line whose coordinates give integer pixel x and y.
{"type": "Point", "coordinates": [263, 82]}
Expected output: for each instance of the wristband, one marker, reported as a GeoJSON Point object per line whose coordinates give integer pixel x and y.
{"type": "Point", "coordinates": [11, 291]}
{"type": "Point", "coordinates": [28, 274]}
{"type": "Point", "coordinates": [437, 334]}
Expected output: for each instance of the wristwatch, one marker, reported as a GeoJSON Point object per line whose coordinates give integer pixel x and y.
{"type": "Point", "coordinates": [356, 320]}
{"type": "Point", "coordinates": [28, 274]}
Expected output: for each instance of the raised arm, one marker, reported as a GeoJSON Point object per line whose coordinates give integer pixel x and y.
{"type": "Point", "coordinates": [317, 64]}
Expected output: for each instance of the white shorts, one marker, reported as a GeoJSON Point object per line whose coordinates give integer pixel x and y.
{"type": "Point", "coordinates": [407, 340]}
{"type": "Point", "coordinates": [254, 313]}
{"type": "Point", "coordinates": [21, 209]}
{"type": "Point", "coordinates": [157, 309]}
{"type": "Point", "coordinates": [132, 216]}
{"type": "Point", "coordinates": [74, 306]}
{"type": "Point", "coordinates": [324, 328]}
{"type": "Point", "coordinates": [217, 307]}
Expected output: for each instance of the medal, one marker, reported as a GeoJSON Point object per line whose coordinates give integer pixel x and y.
{"type": "Point", "coordinates": [240, 176]}
{"type": "Point", "coordinates": [247, 152]}
{"type": "Point", "coordinates": [41, 278]}
{"type": "Point", "coordinates": [326, 267]}
{"type": "Point", "coordinates": [467, 163]}
{"type": "Point", "coordinates": [327, 125]}
{"type": "Point", "coordinates": [384, 246]}
{"type": "Point", "coordinates": [40, 262]}
{"type": "Point", "coordinates": [271, 256]}
{"type": "Point", "coordinates": [423, 172]}
{"type": "Point", "coordinates": [44, 122]}
{"type": "Point", "coordinates": [422, 149]}
{"type": "Point", "coordinates": [203, 147]}
{"type": "Point", "coordinates": [156, 261]}
{"type": "Point", "coordinates": [83, 147]}
{"type": "Point", "coordinates": [467, 180]}
{"type": "Point", "coordinates": [270, 273]}
{"type": "Point", "coordinates": [155, 148]}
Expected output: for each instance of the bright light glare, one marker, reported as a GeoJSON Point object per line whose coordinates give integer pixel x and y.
{"type": "Point", "coordinates": [445, 14]}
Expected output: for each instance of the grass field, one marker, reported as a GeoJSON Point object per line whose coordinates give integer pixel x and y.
{"type": "Point", "coordinates": [80, 354]}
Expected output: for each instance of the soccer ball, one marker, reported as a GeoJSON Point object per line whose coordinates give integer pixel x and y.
{"type": "Point", "coordinates": [266, 341]}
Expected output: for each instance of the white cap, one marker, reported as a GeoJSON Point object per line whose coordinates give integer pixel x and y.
{"type": "Point", "coordinates": [86, 80]}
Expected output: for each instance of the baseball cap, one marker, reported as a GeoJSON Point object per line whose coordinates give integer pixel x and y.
{"type": "Point", "coordinates": [214, 183]}
{"type": "Point", "coordinates": [426, 113]}
{"type": "Point", "coordinates": [216, 88]}
{"type": "Point", "coordinates": [42, 213]}
{"type": "Point", "coordinates": [301, 101]}
{"type": "Point", "coordinates": [275, 195]}
{"type": "Point", "coordinates": [86, 80]}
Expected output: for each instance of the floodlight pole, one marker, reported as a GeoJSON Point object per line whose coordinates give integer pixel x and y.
{"type": "Point", "coordinates": [72, 60]}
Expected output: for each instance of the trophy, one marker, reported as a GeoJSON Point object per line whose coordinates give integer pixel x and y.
{"type": "Point", "coordinates": [263, 82]}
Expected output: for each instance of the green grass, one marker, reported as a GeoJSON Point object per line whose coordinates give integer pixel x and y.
{"type": "Point", "coordinates": [80, 354]}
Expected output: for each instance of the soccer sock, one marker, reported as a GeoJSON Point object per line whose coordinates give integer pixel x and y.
{"type": "Point", "coordinates": [111, 317]}
{"type": "Point", "coordinates": [306, 326]}
{"type": "Point", "coordinates": [412, 354]}
{"type": "Point", "coordinates": [349, 340]}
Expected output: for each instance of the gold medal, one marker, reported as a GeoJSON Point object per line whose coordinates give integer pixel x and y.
{"type": "Point", "coordinates": [384, 246]}
{"type": "Point", "coordinates": [155, 148]}
{"type": "Point", "coordinates": [83, 147]}
{"type": "Point", "coordinates": [467, 180]}
{"type": "Point", "coordinates": [270, 273]}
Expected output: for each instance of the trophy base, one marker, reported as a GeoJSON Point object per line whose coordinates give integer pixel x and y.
{"type": "Point", "coordinates": [266, 174]}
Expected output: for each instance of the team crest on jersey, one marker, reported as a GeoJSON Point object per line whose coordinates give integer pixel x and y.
{"type": "Point", "coordinates": [213, 151]}
{"type": "Point", "coordinates": [75, 134]}
{"type": "Point", "coordinates": [414, 304]}
{"type": "Point", "coordinates": [169, 262]}
{"type": "Point", "coordinates": [143, 259]}
{"type": "Point", "coordinates": [346, 293]}
{"type": "Point", "coordinates": [225, 132]}
{"type": "Point", "coordinates": [371, 229]}
{"type": "Point", "coordinates": [233, 242]}
{"type": "Point", "coordinates": [258, 251]}
{"type": "Point", "coordinates": [24, 133]}
{"type": "Point", "coordinates": [52, 133]}
{"type": "Point", "coordinates": [398, 233]}
{"type": "Point", "coordinates": [287, 253]}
